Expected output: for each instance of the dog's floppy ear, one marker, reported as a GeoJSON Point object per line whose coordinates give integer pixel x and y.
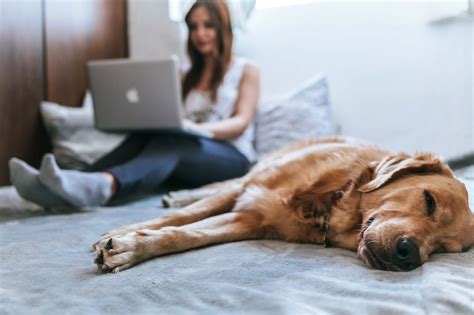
{"type": "Point", "coordinates": [395, 166]}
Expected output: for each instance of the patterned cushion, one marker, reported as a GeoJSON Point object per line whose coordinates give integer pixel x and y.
{"type": "Point", "coordinates": [302, 114]}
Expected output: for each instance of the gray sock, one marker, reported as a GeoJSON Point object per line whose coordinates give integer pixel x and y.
{"type": "Point", "coordinates": [26, 181]}
{"type": "Point", "coordinates": [79, 188]}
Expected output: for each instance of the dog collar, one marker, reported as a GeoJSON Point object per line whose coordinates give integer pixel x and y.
{"type": "Point", "coordinates": [335, 197]}
{"type": "Point", "coordinates": [326, 241]}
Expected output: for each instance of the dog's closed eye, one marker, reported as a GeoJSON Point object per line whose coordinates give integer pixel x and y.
{"type": "Point", "coordinates": [430, 203]}
{"type": "Point", "coordinates": [370, 220]}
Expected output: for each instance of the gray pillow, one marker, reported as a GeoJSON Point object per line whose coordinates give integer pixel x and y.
{"type": "Point", "coordinates": [302, 114]}
{"type": "Point", "coordinates": [76, 142]}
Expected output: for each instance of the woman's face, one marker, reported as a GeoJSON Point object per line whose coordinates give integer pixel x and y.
{"type": "Point", "coordinates": [203, 31]}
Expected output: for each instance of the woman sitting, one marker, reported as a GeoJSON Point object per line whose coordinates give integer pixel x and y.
{"type": "Point", "coordinates": [220, 93]}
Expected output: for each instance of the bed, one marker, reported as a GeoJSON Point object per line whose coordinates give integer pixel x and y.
{"type": "Point", "coordinates": [46, 267]}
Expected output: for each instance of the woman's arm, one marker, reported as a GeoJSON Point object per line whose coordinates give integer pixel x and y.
{"type": "Point", "coordinates": [245, 109]}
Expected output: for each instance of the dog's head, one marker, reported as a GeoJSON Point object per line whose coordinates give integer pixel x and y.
{"type": "Point", "coordinates": [412, 207]}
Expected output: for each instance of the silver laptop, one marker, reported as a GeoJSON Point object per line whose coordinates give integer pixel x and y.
{"type": "Point", "coordinates": [137, 95]}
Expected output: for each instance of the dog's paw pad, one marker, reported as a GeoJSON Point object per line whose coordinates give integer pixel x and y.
{"type": "Point", "coordinates": [109, 245]}
{"type": "Point", "coordinates": [99, 260]}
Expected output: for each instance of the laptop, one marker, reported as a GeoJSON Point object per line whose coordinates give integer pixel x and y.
{"type": "Point", "coordinates": [138, 95]}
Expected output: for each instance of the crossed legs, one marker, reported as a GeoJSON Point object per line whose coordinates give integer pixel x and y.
{"type": "Point", "coordinates": [119, 253]}
{"type": "Point", "coordinates": [203, 223]}
{"type": "Point", "coordinates": [211, 206]}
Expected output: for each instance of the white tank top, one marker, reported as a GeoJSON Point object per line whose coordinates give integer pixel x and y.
{"type": "Point", "coordinates": [199, 108]}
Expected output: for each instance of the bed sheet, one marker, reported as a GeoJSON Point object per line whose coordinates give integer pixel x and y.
{"type": "Point", "coordinates": [46, 268]}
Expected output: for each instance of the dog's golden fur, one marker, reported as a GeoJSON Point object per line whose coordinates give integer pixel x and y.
{"type": "Point", "coordinates": [393, 209]}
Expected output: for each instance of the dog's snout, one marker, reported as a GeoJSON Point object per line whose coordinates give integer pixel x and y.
{"type": "Point", "coordinates": [407, 254]}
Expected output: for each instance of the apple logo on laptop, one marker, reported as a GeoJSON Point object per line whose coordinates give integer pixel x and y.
{"type": "Point", "coordinates": [132, 95]}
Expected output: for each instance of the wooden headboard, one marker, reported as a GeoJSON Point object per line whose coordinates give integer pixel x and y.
{"type": "Point", "coordinates": [45, 45]}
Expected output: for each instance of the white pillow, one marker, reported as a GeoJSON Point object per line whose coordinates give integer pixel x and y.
{"type": "Point", "coordinates": [304, 113]}
{"type": "Point", "coordinates": [76, 142]}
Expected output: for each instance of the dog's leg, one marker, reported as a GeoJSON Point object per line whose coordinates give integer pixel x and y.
{"type": "Point", "coordinates": [182, 198]}
{"type": "Point", "coordinates": [213, 205]}
{"type": "Point", "coordinates": [118, 253]}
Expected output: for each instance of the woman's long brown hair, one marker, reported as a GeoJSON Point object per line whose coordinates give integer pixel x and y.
{"type": "Point", "coordinates": [223, 54]}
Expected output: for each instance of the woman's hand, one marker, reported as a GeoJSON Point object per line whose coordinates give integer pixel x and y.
{"type": "Point", "coordinates": [189, 124]}
{"type": "Point", "coordinates": [245, 108]}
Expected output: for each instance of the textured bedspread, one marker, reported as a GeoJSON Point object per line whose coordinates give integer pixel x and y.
{"type": "Point", "coordinates": [46, 268]}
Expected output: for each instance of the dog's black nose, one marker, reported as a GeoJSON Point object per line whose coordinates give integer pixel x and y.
{"type": "Point", "coordinates": [407, 254]}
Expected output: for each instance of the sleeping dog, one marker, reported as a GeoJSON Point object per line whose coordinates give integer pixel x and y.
{"type": "Point", "coordinates": [395, 210]}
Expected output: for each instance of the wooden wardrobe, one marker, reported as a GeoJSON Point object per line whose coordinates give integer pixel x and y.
{"type": "Point", "coordinates": [44, 45]}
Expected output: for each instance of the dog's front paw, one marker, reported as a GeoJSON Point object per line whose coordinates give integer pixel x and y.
{"type": "Point", "coordinates": [118, 253]}
{"type": "Point", "coordinates": [119, 232]}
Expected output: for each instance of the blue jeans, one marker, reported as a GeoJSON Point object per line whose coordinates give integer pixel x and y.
{"type": "Point", "coordinates": [146, 160]}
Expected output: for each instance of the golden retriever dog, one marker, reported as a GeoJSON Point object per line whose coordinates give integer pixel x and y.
{"type": "Point", "coordinates": [395, 210]}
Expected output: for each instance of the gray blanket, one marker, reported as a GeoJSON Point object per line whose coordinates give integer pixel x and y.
{"type": "Point", "coordinates": [46, 268]}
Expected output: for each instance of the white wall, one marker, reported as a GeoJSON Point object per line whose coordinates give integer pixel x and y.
{"type": "Point", "coordinates": [150, 31]}
{"type": "Point", "coordinates": [395, 79]}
